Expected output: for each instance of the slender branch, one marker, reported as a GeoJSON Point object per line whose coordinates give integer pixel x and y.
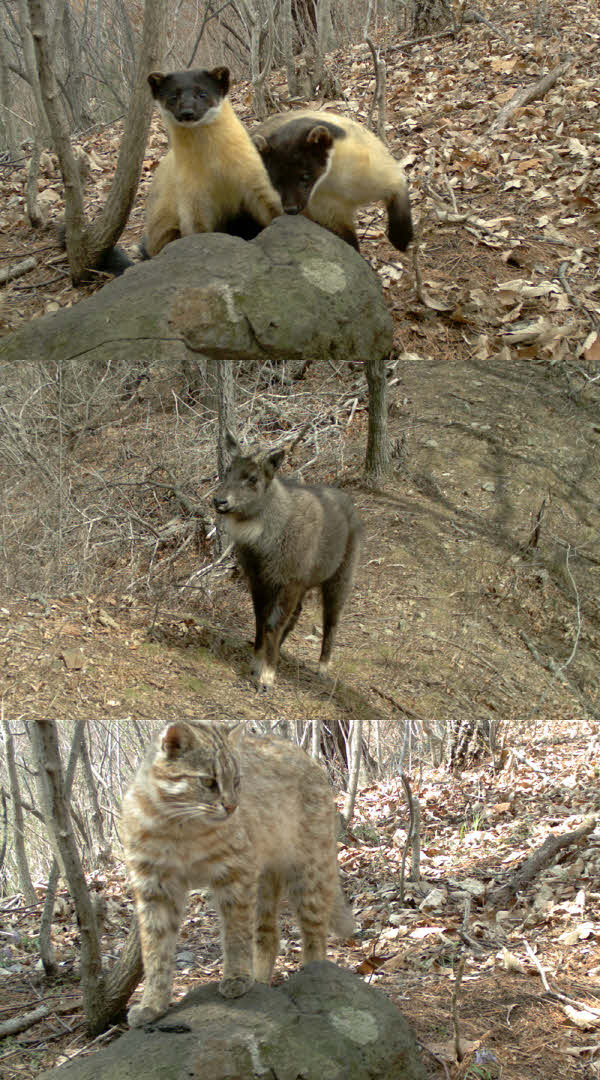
{"type": "Point", "coordinates": [4, 827]}
{"type": "Point", "coordinates": [379, 95]}
{"type": "Point", "coordinates": [413, 836]}
{"type": "Point", "coordinates": [529, 93]}
{"type": "Point", "coordinates": [562, 277]}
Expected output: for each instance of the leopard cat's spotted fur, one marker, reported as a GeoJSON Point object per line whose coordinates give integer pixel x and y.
{"type": "Point", "coordinates": [246, 816]}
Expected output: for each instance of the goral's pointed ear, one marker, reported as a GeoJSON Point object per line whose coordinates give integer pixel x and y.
{"type": "Point", "coordinates": [222, 78]}
{"type": "Point", "coordinates": [155, 81]}
{"type": "Point", "coordinates": [319, 136]}
{"type": "Point", "coordinates": [175, 740]}
{"type": "Point", "coordinates": [272, 460]}
{"type": "Point", "coordinates": [260, 143]}
{"type": "Point", "coordinates": [231, 442]}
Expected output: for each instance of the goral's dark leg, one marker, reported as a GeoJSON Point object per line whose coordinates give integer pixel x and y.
{"type": "Point", "coordinates": [280, 618]}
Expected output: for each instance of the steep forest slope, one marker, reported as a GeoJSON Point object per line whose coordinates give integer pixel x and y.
{"type": "Point", "coordinates": [470, 647]}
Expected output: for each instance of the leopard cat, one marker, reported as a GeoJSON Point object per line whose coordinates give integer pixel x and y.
{"type": "Point", "coordinates": [246, 816]}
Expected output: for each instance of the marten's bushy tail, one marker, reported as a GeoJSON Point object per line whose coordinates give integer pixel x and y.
{"type": "Point", "coordinates": [112, 261]}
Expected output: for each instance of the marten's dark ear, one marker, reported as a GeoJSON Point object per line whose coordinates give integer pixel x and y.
{"type": "Point", "coordinates": [222, 78]}
{"type": "Point", "coordinates": [155, 81]}
{"type": "Point", "coordinates": [260, 143]}
{"type": "Point", "coordinates": [320, 136]}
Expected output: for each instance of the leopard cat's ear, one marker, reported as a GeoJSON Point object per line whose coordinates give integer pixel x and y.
{"type": "Point", "coordinates": [235, 734]}
{"type": "Point", "coordinates": [175, 739]}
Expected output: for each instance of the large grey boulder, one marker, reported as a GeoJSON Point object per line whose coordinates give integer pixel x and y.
{"type": "Point", "coordinates": [322, 1024]}
{"type": "Point", "coordinates": [293, 295]}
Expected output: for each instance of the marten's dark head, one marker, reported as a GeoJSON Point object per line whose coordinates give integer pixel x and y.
{"type": "Point", "coordinates": [190, 97]}
{"type": "Point", "coordinates": [297, 156]}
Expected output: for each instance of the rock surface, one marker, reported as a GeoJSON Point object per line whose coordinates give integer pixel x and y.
{"type": "Point", "coordinates": [293, 295]}
{"type": "Point", "coordinates": [321, 1024]}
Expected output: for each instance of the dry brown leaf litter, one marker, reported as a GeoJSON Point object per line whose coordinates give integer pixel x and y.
{"type": "Point", "coordinates": [510, 240]}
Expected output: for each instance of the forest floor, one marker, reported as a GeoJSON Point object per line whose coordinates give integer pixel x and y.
{"type": "Point", "coordinates": [475, 620]}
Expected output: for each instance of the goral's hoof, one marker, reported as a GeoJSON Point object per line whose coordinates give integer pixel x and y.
{"type": "Point", "coordinates": [265, 677]}
{"type": "Point", "coordinates": [237, 987]}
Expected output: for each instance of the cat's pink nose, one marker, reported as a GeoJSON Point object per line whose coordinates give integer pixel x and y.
{"type": "Point", "coordinates": [229, 807]}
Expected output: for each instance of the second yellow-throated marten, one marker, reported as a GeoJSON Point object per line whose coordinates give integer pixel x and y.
{"type": "Point", "coordinates": [325, 166]}
{"type": "Point", "coordinates": [212, 178]}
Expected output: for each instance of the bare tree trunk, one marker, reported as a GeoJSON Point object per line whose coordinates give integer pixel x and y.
{"type": "Point", "coordinates": [17, 813]}
{"type": "Point", "coordinates": [100, 845]}
{"type": "Point", "coordinates": [124, 976]}
{"type": "Point", "coordinates": [104, 996]}
{"type": "Point", "coordinates": [324, 39]}
{"type": "Point", "coordinates": [86, 246]}
{"type": "Point", "coordinates": [368, 19]}
{"type": "Point", "coordinates": [106, 230]}
{"type": "Point", "coordinates": [8, 119]}
{"type": "Point", "coordinates": [31, 190]}
{"type": "Point", "coordinates": [260, 66]}
{"type": "Point", "coordinates": [45, 744]}
{"type": "Point", "coordinates": [75, 80]}
{"type": "Point", "coordinates": [4, 844]}
{"type": "Point", "coordinates": [44, 71]}
{"type": "Point", "coordinates": [316, 737]}
{"type": "Point", "coordinates": [287, 42]}
{"type": "Point", "coordinates": [354, 769]}
{"type": "Point", "coordinates": [226, 422]}
{"type": "Point", "coordinates": [127, 38]}
{"type": "Point", "coordinates": [31, 67]}
{"type": "Point", "coordinates": [377, 463]}
{"type": "Point", "coordinates": [45, 939]}
{"type": "Point", "coordinates": [225, 409]}
{"type": "Point", "coordinates": [46, 950]}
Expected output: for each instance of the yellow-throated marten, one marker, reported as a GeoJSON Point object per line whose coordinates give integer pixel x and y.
{"type": "Point", "coordinates": [325, 166]}
{"type": "Point", "coordinates": [212, 178]}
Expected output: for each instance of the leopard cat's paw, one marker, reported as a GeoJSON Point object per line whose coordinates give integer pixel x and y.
{"type": "Point", "coordinates": [236, 986]}
{"type": "Point", "coordinates": [139, 1015]}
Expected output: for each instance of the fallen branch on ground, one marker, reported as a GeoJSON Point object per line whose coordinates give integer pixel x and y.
{"type": "Point", "coordinates": [28, 1019]}
{"type": "Point", "coordinates": [557, 995]}
{"type": "Point", "coordinates": [17, 269]}
{"type": "Point", "coordinates": [529, 93]}
{"type": "Point", "coordinates": [562, 277]}
{"type": "Point", "coordinates": [540, 858]}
